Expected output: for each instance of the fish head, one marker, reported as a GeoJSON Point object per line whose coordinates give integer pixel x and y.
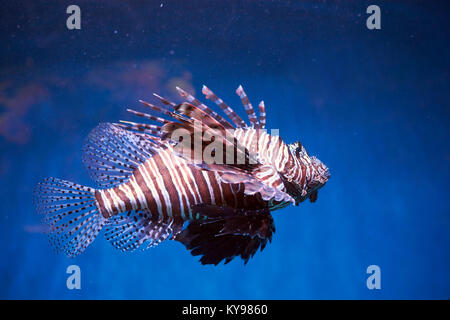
{"type": "Point", "coordinates": [319, 177]}
{"type": "Point", "coordinates": [314, 174]}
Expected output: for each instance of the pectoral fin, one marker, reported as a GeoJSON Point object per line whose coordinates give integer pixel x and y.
{"type": "Point", "coordinates": [225, 233]}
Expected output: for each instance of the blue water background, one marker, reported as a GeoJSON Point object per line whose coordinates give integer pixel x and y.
{"type": "Point", "coordinates": [371, 104]}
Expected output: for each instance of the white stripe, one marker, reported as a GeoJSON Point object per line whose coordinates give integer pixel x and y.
{"type": "Point", "coordinates": [272, 180]}
{"type": "Point", "coordinates": [179, 188]}
{"type": "Point", "coordinates": [210, 189]}
{"type": "Point", "coordinates": [115, 204]}
{"type": "Point", "coordinates": [106, 202]}
{"type": "Point", "coordinates": [237, 133]}
{"type": "Point", "coordinates": [140, 195]}
{"type": "Point", "coordinates": [265, 173]}
{"type": "Point", "coordinates": [217, 176]}
{"type": "Point", "coordinates": [149, 183]}
{"type": "Point", "coordinates": [129, 194]}
{"type": "Point", "coordinates": [245, 138]}
{"type": "Point", "coordinates": [233, 191]}
{"type": "Point", "coordinates": [180, 163]}
{"type": "Point", "coordinates": [120, 204]}
{"type": "Point", "coordinates": [161, 185]}
{"type": "Point", "coordinates": [189, 171]}
{"type": "Point", "coordinates": [279, 156]}
{"type": "Point", "coordinates": [283, 157]}
{"type": "Point", "coordinates": [273, 144]}
{"type": "Point", "coordinates": [263, 145]}
{"type": "Point", "coordinates": [251, 143]}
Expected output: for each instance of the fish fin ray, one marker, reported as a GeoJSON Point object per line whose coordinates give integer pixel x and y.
{"type": "Point", "coordinates": [227, 233]}
{"type": "Point", "coordinates": [111, 154]}
{"type": "Point", "coordinates": [194, 101]}
{"type": "Point", "coordinates": [148, 116]}
{"type": "Point", "coordinates": [262, 114]}
{"type": "Point", "coordinates": [134, 230]}
{"type": "Point", "coordinates": [200, 131]}
{"type": "Point", "coordinates": [248, 107]}
{"type": "Point", "coordinates": [144, 128]}
{"type": "Point", "coordinates": [71, 214]}
{"type": "Point", "coordinates": [237, 120]}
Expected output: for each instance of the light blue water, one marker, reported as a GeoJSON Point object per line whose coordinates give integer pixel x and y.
{"type": "Point", "coordinates": [372, 105]}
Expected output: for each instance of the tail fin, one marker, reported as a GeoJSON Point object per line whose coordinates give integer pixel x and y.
{"type": "Point", "coordinates": [71, 213]}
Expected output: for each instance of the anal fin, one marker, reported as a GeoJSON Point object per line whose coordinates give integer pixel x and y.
{"type": "Point", "coordinates": [138, 229]}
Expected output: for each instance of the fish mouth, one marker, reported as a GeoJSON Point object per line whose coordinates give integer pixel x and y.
{"type": "Point", "coordinates": [324, 176]}
{"type": "Point", "coordinates": [322, 172]}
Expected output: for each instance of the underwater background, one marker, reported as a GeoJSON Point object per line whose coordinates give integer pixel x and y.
{"type": "Point", "coordinates": [373, 105]}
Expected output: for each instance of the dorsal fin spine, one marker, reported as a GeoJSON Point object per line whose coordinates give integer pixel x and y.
{"type": "Point", "coordinates": [239, 123]}
{"type": "Point", "coordinates": [248, 107]}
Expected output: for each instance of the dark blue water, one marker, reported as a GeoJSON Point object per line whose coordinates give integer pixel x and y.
{"type": "Point", "coordinates": [371, 104]}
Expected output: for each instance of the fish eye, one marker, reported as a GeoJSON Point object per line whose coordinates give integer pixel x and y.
{"type": "Point", "coordinates": [298, 148]}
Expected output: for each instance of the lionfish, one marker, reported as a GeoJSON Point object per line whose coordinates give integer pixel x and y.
{"type": "Point", "coordinates": [153, 187]}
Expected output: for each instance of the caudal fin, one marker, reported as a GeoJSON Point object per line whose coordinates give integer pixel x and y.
{"type": "Point", "coordinates": [71, 214]}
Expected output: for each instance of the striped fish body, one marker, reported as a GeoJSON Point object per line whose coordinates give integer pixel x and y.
{"type": "Point", "coordinates": [168, 187]}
